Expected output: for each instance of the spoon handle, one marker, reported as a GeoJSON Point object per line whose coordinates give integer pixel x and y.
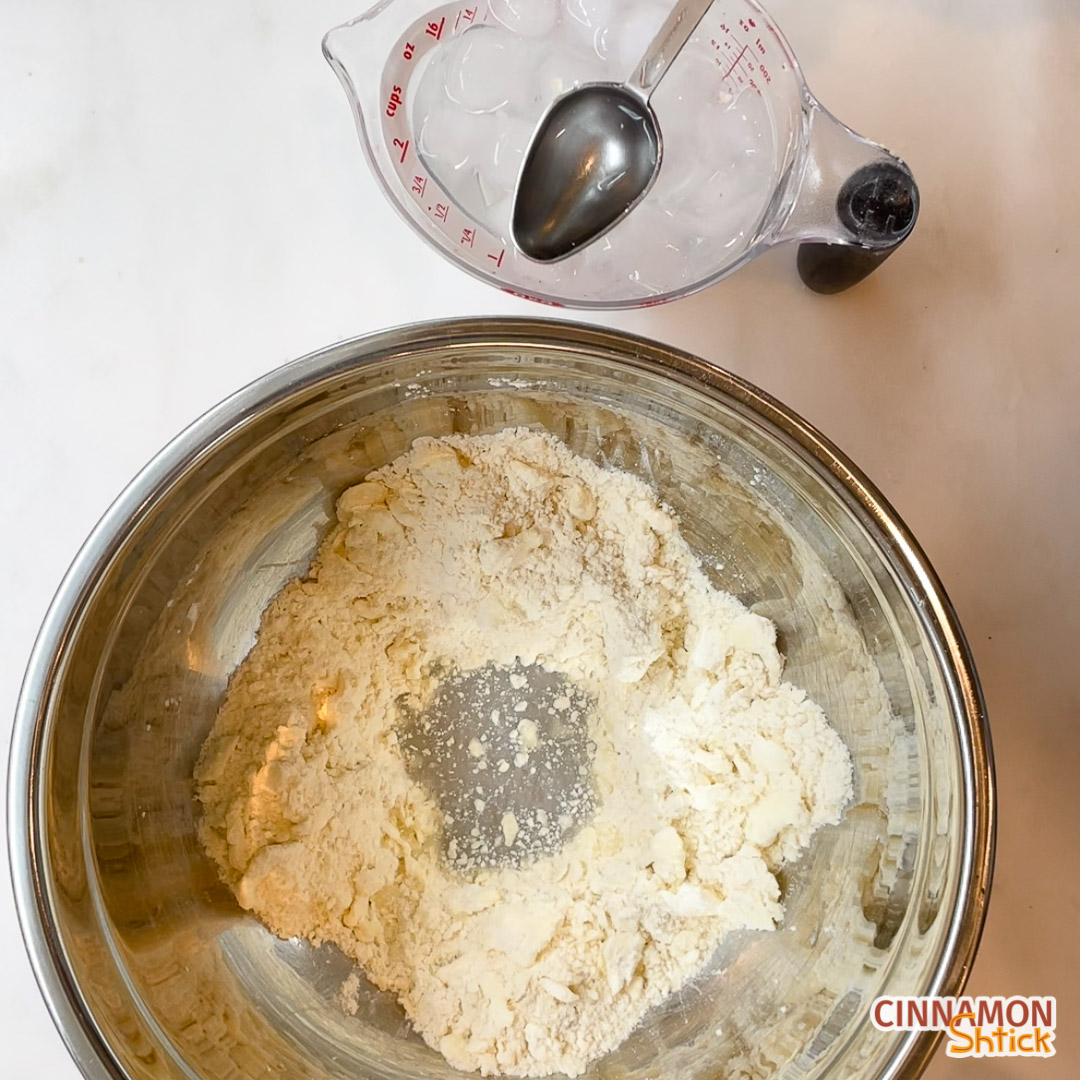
{"type": "Point", "coordinates": [668, 43]}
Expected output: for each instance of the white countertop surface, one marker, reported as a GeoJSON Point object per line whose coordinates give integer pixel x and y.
{"type": "Point", "coordinates": [184, 205]}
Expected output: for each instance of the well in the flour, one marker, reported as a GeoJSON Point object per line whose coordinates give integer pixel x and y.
{"type": "Point", "coordinates": [520, 813]}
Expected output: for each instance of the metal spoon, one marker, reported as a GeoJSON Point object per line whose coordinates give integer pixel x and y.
{"type": "Point", "coordinates": [596, 152]}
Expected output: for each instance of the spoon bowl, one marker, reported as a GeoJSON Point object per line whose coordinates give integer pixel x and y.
{"type": "Point", "coordinates": [596, 152]}
{"type": "Point", "coordinates": [592, 160]}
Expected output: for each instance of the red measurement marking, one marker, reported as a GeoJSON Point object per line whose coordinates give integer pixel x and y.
{"type": "Point", "coordinates": [403, 147]}
{"type": "Point", "coordinates": [738, 60]}
{"type": "Point", "coordinates": [497, 259]}
{"type": "Point", "coordinates": [466, 14]}
{"type": "Point", "coordinates": [410, 48]}
{"type": "Point", "coordinates": [435, 29]}
{"type": "Point", "coordinates": [534, 299]}
{"type": "Point", "coordinates": [394, 100]}
{"type": "Point", "coordinates": [441, 210]}
{"type": "Point", "coordinates": [419, 185]}
{"type": "Point", "coordinates": [468, 236]}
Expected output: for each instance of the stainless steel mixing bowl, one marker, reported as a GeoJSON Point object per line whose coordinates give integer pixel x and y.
{"type": "Point", "coordinates": [150, 968]}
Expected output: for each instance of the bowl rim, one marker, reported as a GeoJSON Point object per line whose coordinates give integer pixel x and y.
{"type": "Point", "coordinates": [57, 982]}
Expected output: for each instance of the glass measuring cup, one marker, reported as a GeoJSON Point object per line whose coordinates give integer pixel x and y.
{"type": "Point", "coordinates": [446, 98]}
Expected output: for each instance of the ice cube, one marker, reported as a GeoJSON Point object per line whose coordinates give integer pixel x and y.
{"type": "Point", "coordinates": [543, 277]}
{"type": "Point", "coordinates": [496, 218]}
{"type": "Point", "coordinates": [503, 163]}
{"type": "Point", "coordinates": [427, 90]}
{"type": "Point", "coordinates": [530, 18]}
{"type": "Point", "coordinates": [562, 69]}
{"type": "Point", "coordinates": [607, 264]}
{"type": "Point", "coordinates": [718, 170]}
{"type": "Point", "coordinates": [491, 192]}
{"type": "Point", "coordinates": [497, 170]}
{"type": "Point", "coordinates": [591, 42]}
{"type": "Point", "coordinates": [497, 167]}
{"type": "Point", "coordinates": [694, 81]}
{"type": "Point", "coordinates": [624, 42]}
{"type": "Point", "coordinates": [655, 246]}
{"type": "Point", "coordinates": [485, 68]}
{"type": "Point", "coordinates": [585, 21]}
{"type": "Point", "coordinates": [450, 139]}
{"type": "Point", "coordinates": [463, 190]}
{"type": "Point", "coordinates": [719, 214]}
{"type": "Point", "coordinates": [739, 141]}
{"type": "Point", "coordinates": [600, 271]}
{"type": "Point", "coordinates": [591, 13]}
{"type": "Point", "coordinates": [702, 209]}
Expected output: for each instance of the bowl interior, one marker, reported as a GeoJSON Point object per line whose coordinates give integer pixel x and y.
{"type": "Point", "coordinates": [175, 980]}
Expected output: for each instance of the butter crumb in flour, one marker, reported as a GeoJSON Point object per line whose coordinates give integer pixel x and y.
{"type": "Point", "coordinates": [477, 573]}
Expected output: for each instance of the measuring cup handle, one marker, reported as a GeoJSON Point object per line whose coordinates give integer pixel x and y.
{"type": "Point", "coordinates": [878, 206]}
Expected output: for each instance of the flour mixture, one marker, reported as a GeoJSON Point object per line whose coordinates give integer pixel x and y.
{"type": "Point", "coordinates": [497, 616]}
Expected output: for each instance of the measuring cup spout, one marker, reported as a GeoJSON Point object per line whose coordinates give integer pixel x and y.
{"type": "Point", "coordinates": [852, 204]}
